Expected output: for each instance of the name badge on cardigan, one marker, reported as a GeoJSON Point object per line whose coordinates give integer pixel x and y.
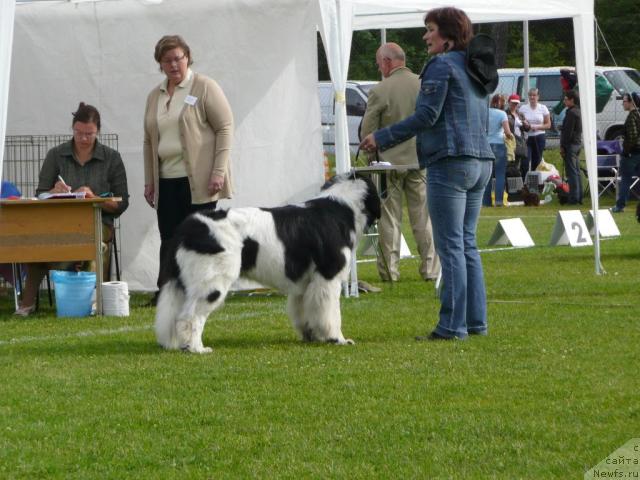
{"type": "Point", "coordinates": [190, 100]}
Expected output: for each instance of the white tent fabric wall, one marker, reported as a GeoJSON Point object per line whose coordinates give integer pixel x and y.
{"type": "Point", "coordinates": [376, 14]}
{"type": "Point", "coordinates": [7, 10]}
{"type": "Point", "coordinates": [336, 36]}
{"type": "Point", "coordinates": [264, 58]}
{"type": "Point", "coordinates": [583, 27]}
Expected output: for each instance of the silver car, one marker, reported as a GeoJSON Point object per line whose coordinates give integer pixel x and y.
{"type": "Point", "coordinates": [356, 98]}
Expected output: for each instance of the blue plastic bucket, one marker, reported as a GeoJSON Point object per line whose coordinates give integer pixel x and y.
{"type": "Point", "coordinates": [74, 291]}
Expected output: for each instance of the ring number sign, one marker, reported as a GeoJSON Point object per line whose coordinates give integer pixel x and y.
{"type": "Point", "coordinates": [570, 229]}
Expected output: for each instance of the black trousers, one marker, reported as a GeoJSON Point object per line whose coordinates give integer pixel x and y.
{"type": "Point", "coordinates": [174, 205]}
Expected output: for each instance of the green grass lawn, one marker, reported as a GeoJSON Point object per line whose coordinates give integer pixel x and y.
{"type": "Point", "coordinates": [548, 394]}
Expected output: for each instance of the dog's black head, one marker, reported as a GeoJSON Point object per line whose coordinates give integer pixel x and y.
{"type": "Point", "coordinates": [531, 199]}
{"type": "Point", "coordinates": [370, 200]}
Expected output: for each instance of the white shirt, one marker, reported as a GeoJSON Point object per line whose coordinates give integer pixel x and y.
{"type": "Point", "coordinates": [535, 117]}
{"type": "Point", "coordinates": [169, 144]}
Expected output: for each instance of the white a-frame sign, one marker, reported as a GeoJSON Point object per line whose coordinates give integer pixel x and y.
{"type": "Point", "coordinates": [570, 229]}
{"type": "Point", "coordinates": [606, 224]}
{"type": "Point", "coordinates": [511, 231]}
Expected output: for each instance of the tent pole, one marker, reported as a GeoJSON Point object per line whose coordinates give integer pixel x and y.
{"type": "Point", "coordinates": [7, 9]}
{"type": "Point", "coordinates": [525, 43]}
{"type": "Point", "coordinates": [383, 40]}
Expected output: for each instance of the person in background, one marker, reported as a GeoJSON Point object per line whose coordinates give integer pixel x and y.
{"type": "Point", "coordinates": [82, 164]}
{"type": "Point", "coordinates": [517, 127]}
{"type": "Point", "coordinates": [391, 100]}
{"type": "Point", "coordinates": [450, 121]}
{"type": "Point", "coordinates": [630, 161]}
{"type": "Point", "coordinates": [8, 191]}
{"type": "Point", "coordinates": [537, 116]}
{"type": "Point", "coordinates": [188, 132]}
{"type": "Point", "coordinates": [570, 144]}
{"type": "Point", "coordinates": [497, 131]}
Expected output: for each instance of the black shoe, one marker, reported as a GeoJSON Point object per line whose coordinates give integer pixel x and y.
{"type": "Point", "coordinates": [433, 336]}
{"type": "Point", "coordinates": [153, 301]}
{"type": "Point", "coordinates": [482, 334]}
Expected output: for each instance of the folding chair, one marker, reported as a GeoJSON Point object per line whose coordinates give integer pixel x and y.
{"type": "Point", "coordinates": [608, 173]}
{"type": "Point", "coordinates": [607, 166]}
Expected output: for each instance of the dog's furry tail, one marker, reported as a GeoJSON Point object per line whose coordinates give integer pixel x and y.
{"type": "Point", "coordinates": [170, 302]}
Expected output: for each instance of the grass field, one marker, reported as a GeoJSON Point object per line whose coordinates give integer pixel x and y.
{"type": "Point", "coordinates": [549, 393]}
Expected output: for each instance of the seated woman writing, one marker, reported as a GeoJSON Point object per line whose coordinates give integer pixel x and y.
{"type": "Point", "coordinates": [80, 165]}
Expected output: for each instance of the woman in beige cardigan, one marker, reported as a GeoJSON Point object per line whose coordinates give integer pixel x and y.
{"type": "Point", "coordinates": [188, 130]}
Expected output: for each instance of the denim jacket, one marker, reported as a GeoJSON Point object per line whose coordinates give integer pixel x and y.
{"type": "Point", "coordinates": [451, 114]}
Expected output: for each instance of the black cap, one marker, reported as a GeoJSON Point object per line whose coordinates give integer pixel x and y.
{"type": "Point", "coordinates": [481, 62]}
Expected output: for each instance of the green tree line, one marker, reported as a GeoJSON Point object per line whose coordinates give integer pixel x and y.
{"type": "Point", "coordinates": [551, 42]}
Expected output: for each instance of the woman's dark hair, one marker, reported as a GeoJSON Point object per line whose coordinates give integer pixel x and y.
{"type": "Point", "coordinates": [86, 114]}
{"type": "Point", "coordinates": [633, 98]}
{"type": "Point", "coordinates": [573, 95]}
{"type": "Point", "coordinates": [453, 24]}
{"type": "Point", "coordinates": [497, 101]}
{"type": "Point", "coordinates": [169, 42]}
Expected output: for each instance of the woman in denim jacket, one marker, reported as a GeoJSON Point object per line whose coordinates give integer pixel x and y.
{"type": "Point", "coordinates": [450, 125]}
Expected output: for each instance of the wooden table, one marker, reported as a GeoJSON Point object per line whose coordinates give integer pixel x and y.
{"type": "Point", "coordinates": [53, 230]}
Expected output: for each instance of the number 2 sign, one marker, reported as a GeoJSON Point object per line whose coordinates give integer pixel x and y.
{"type": "Point", "coordinates": [570, 229]}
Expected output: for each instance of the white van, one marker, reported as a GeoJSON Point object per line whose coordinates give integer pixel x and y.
{"type": "Point", "coordinates": [357, 93]}
{"type": "Point", "coordinates": [609, 121]}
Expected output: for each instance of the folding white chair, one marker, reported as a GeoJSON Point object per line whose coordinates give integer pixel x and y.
{"type": "Point", "coordinates": [608, 172]}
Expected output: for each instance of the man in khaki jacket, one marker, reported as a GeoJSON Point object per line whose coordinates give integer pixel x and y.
{"type": "Point", "coordinates": [394, 99]}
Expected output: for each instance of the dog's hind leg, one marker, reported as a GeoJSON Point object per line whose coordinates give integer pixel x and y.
{"type": "Point", "coordinates": [321, 311]}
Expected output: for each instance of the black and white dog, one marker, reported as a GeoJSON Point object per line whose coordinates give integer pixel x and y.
{"type": "Point", "coordinates": [303, 250]}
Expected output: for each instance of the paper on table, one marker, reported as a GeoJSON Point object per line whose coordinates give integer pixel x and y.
{"type": "Point", "coordinates": [47, 195]}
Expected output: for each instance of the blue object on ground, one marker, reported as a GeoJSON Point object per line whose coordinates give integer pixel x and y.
{"type": "Point", "coordinates": [74, 291]}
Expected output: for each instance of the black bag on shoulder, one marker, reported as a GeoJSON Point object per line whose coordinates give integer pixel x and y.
{"type": "Point", "coordinates": [481, 64]}
{"type": "Point", "coordinates": [521, 147]}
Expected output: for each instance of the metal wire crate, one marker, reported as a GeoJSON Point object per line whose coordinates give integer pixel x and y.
{"type": "Point", "coordinates": [24, 154]}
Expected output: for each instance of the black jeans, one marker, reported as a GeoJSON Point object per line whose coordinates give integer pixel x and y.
{"type": "Point", "coordinates": [574, 176]}
{"type": "Point", "coordinates": [174, 205]}
{"type": "Point", "coordinates": [535, 147]}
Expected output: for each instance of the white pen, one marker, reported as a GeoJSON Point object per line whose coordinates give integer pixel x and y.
{"type": "Point", "coordinates": [64, 183]}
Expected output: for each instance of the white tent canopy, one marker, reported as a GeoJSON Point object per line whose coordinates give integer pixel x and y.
{"type": "Point", "coordinates": [265, 60]}
{"type": "Point", "coordinates": [262, 52]}
{"type": "Point", "coordinates": [341, 17]}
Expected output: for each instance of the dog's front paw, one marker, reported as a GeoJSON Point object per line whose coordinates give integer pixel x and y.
{"type": "Point", "coordinates": [190, 349]}
{"type": "Point", "coordinates": [341, 341]}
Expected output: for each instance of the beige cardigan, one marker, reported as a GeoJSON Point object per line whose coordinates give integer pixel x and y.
{"type": "Point", "coordinates": [206, 134]}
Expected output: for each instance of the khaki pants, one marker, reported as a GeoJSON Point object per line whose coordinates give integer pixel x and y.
{"type": "Point", "coordinates": [412, 185]}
